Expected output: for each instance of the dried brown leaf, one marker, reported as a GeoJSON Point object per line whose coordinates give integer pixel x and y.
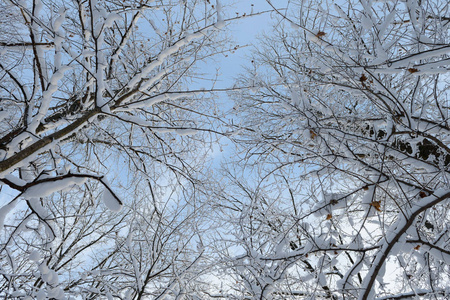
{"type": "Point", "coordinates": [376, 205]}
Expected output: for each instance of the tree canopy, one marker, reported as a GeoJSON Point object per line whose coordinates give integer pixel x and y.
{"type": "Point", "coordinates": [345, 129]}
{"type": "Point", "coordinates": [336, 186]}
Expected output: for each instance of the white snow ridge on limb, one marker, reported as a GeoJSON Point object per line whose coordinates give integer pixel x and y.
{"type": "Point", "coordinates": [48, 187]}
{"type": "Point", "coordinates": [220, 22]}
{"type": "Point", "coordinates": [109, 198]}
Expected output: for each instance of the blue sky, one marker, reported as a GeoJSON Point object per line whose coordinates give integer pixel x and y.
{"type": "Point", "coordinates": [244, 33]}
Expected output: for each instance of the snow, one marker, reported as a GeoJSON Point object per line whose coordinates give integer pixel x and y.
{"type": "Point", "coordinates": [387, 21]}
{"type": "Point", "coordinates": [35, 204]}
{"type": "Point", "coordinates": [395, 232]}
{"type": "Point", "coordinates": [162, 130]}
{"type": "Point", "coordinates": [15, 180]}
{"type": "Point", "coordinates": [369, 196]}
{"type": "Point", "coordinates": [155, 72]}
{"type": "Point", "coordinates": [185, 132]}
{"type": "Point", "coordinates": [381, 54]}
{"type": "Point", "coordinates": [427, 70]}
{"type": "Point", "coordinates": [43, 268]}
{"type": "Point", "coordinates": [157, 99]}
{"type": "Point", "coordinates": [3, 114]}
{"type": "Point", "coordinates": [444, 194]}
{"type": "Point", "coordinates": [20, 140]}
{"type": "Point", "coordinates": [136, 120]}
{"type": "Point", "coordinates": [111, 19]}
{"type": "Point", "coordinates": [110, 200]}
{"type": "Point", "coordinates": [49, 187]}
{"type": "Point", "coordinates": [48, 94]}
{"type": "Point", "coordinates": [87, 53]}
{"type": "Point", "coordinates": [439, 255]}
{"type": "Point", "coordinates": [59, 74]}
{"type": "Point", "coordinates": [168, 52]}
{"type": "Point", "coordinates": [5, 210]}
{"type": "Point", "coordinates": [220, 21]}
{"type": "Point", "coordinates": [41, 295]}
{"type": "Point", "coordinates": [37, 7]}
{"type": "Point", "coordinates": [56, 293]}
{"type": "Point", "coordinates": [366, 22]}
{"type": "Point", "coordinates": [412, 58]}
{"type": "Point", "coordinates": [60, 19]}
{"type": "Point", "coordinates": [412, 295]}
{"type": "Point", "coordinates": [51, 277]}
{"type": "Point", "coordinates": [17, 294]}
{"type": "Point", "coordinates": [35, 256]}
{"type": "Point", "coordinates": [26, 161]}
{"type": "Point", "coordinates": [98, 30]}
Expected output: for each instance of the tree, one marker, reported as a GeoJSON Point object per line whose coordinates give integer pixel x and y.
{"type": "Point", "coordinates": [87, 88]}
{"type": "Point", "coordinates": [344, 125]}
